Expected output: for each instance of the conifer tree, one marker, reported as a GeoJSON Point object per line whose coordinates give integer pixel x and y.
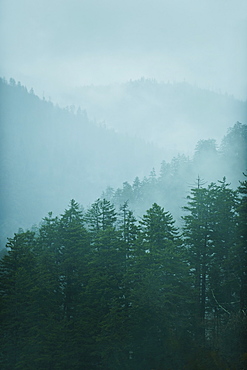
{"type": "Point", "coordinates": [18, 308]}
{"type": "Point", "coordinates": [241, 266]}
{"type": "Point", "coordinates": [210, 238]}
{"type": "Point", "coordinates": [158, 286]}
{"type": "Point", "coordinates": [242, 245]}
{"type": "Point", "coordinates": [198, 243]}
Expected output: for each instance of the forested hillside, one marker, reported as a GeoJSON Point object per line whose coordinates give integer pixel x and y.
{"type": "Point", "coordinates": [151, 275]}
{"type": "Point", "coordinates": [174, 116]}
{"type": "Point", "coordinates": [123, 186]}
{"type": "Point", "coordinates": [171, 184]}
{"type": "Point", "coordinates": [99, 290]}
{"type": "Point", "coordinates": [50, 155]}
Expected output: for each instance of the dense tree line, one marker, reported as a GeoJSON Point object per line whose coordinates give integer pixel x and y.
{"type": "Point", "coordinates": [157, 111]}
{"type": "Point", "coordinates": [60, 152]}
{"type": "Point", "coordinates": [170, 186]}
{"type": "Point", "coordinates": [99, 289]}
{"type": "Point", "coordinates": [34, 134]}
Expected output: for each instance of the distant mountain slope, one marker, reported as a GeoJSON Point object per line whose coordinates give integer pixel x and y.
{"type": "Point", "coordinates": [51, 155]}
{"type": "Point", "coordinates": [173, 116]}
{"type": "Point", "coordinates": [170, 186]}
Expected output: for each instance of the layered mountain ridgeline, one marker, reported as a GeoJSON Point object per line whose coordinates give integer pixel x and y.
{"type": "Point", "coordinates": [49, 155]}
{"type": "Point", "coordinates": [99, 288]}
{"type": "Point", "coordinates": [169, 187]}
{"type": "Point", "coordinates": [174, 116]}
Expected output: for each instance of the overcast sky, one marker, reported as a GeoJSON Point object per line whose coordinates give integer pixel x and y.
{"type": "Point", "coordinates": [54, 45]}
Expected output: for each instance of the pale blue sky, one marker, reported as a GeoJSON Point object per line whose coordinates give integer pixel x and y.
{"type": "Point", "coordinates": [56, 45]}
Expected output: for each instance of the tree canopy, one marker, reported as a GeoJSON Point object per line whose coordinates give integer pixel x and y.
{"type": "Point", "coordinates": [97, 289]}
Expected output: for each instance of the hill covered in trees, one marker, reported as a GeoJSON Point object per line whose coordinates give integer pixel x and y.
{"type": "Point", "coordinates": [171, 184]}
{"type": "Point", "coordinates": [99, 290]}
{"type": "Point", "coordinates": [173, 116]}
{"type": "Point", "coordinates": [49, 155]}
{"type": "Point", "coordinates": [151, 275]}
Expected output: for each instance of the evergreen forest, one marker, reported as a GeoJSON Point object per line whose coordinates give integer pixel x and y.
{"type": "Point", "coordinates": [123, 185]}
{"type": "Point", "coordinates": [150, 276]}
{"type": "Point", "coordinates": [51, 154]}
{"type": "Point", "coordinates": [98, 288]}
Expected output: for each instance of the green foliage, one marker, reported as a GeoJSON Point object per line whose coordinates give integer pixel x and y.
{"type": "Point", "coordinates": [99, 290]}
{"type": "Point", "coordinates": [101, 216]}
{"type": "Point", "coordinates": [211, 239]}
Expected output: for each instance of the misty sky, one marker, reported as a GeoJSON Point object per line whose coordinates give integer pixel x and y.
{"type": "Point", "coordinates": [55, 45]}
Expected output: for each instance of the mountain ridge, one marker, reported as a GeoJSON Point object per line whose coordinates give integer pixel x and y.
{"type": "Point", "coordinates": [51, 155]}
{"type": "Point", "coordinates": [161, 113]}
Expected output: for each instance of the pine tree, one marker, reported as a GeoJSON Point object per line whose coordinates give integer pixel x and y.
{"type": "Point", "coordinates": [159, 284]}
{"type": "Point", "coordinates": [18, 309]}
{"type": "Point", "coordinates": [242, 246]}
{"type": "Point", "coordinates": [128, 229]}
{"type": "Point", "coordinates": [158, 229]}
{"type": "Point", "coordinates": [241, 267]}
{"type": "Point", "coordinates": [223, 201]}
{"type": "Point", "coordinates": [210, 238]}
{"type": "Point", "coordinates": [101, 216]}
{"type": "Point", "coordinates": [74, 247]}
{"type": "Point", "coordinates": [198, 243]}
{"type": "Point", "coordinates": [104, 292]}
{"type": "Point", "coordinates": [74, 250]}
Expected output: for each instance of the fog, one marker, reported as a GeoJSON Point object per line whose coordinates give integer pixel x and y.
{"type": "Point", "coordinates": [151, 79]}
{"type": "Point", "coordinates": [123, 192]}
{"type": "Point", "coordinates": [53, 46]}
{"type": "Point", "coordinates": [172, 116]}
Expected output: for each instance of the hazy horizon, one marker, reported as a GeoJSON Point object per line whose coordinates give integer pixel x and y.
{"type": "Point", "coordinates": [122, 224]}
{"type": "Point", "coordinates": [57, 46]}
